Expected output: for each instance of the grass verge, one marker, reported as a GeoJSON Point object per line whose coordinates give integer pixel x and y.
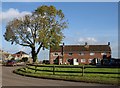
{"type": "Point", "coordinates": [112, 79]}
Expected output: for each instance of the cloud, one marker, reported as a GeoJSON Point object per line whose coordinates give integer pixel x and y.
{"type": "Point", "coordinates": [12, 13]}
{"type": "Point", "coordinates": [89, 40]}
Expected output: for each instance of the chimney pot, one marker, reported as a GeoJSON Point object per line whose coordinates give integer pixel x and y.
{"type": "Point", "coordinates": [85, 43]}
{"type": "Point", "coordinates": [108, 43]}
{"type": "Point", "coordinates": [63, 44]}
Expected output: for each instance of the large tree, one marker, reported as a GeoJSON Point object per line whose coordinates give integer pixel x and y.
{"type": "Point", "coordinates": [41, 29]}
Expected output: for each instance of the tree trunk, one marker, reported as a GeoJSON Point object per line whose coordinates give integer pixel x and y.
{"type": "Point", "coordinates": [34, 55]}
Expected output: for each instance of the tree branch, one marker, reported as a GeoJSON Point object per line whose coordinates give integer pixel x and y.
{"type": "Point", "coordinates": [39, 48]}
{"type": "Point", "coordinates": [24, 44]}
{"type": "Point", "coordinates": [21, 36]}
{"type": "Point", "coordinates": [32, 33]}
{"type": "Point", "coordinates": [30, 40]}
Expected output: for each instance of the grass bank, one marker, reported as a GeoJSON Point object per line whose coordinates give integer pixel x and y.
{"type": "Point", "coordinates": [92, 75]}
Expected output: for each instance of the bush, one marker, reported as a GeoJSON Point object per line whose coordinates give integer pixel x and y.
{"type": "Point", "coordinates": [24, 59]}
{"type": "Point", "coordinates": [12, 58]}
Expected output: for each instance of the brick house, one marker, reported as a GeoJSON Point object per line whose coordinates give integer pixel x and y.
{"type": "Point", "coordinates": [19, 55]}
{"type": "Point", "coordinates": [79, 54]}
{"type": "Point", "coordinates": [4, 56]}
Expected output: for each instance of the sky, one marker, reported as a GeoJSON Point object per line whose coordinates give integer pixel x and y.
{"type": "Point", "coordinates": [60, 0]}
{"type": "Point", "coordinates": [92, 22]}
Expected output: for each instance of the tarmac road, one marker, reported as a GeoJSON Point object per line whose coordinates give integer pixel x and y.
{"type": "Point", "coordinates": [11, 79]}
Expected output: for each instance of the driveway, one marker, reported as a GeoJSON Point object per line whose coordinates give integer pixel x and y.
{"type": "Point", "coordinates": [11, 79]}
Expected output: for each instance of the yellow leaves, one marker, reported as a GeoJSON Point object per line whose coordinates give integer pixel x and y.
{"type": "Point", "coordinates": [46, 10]}
{"type": "Point", "coordinates": [16, 23]}
{"type": "Point", "coordinates": [45, 26]}
{"type": "Point", "coordinates": [52, 11]}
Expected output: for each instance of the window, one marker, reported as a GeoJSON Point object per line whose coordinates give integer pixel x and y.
{"type": "Point", "coordinates": [70, 54]}
{"type": "Point", "coordinates": [103, 53]}
{"type": "Point", "coordinates": [83, 60]}
{"type": "Point", "coordinates": [55, 54]}
{"type": "Point", "coordinates": [92, 54]}
{"type": "Point", "coordinates": [90, 60]}
{"type": "Point", "coordinates": [67, 60]}
{"type": "Point", "coordinates": [81, 53]}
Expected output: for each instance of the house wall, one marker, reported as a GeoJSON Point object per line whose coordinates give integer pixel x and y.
{"type": "Point", "coordinates": [53, 56]}
{"type": "Point", "coordinates": [86, 56]}
{"type": "Point", "coordinates": [24, 55]}
{"type": "Point", "coordinates": [76, 55]}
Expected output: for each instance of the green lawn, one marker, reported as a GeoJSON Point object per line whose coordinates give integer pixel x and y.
{"type": "Point", "coordinates": [75, 74]}
{"type": "Point", "coordinates": [79, 69]}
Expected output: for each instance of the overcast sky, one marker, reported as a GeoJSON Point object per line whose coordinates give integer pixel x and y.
{"type": "Point", "coordinates": [92, 22]}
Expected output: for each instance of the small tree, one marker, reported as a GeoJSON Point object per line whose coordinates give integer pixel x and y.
{"type": "Point", "coordinates": [41, 29]}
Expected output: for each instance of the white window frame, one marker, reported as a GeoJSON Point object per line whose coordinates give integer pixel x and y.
{"type": "Point", "coordinates": [55, 54]}
{"type": "Point", "coordinates": [83, 60]}
{"type": "Point", "coordinates": [81, 53]}
{"type": "Point", "coordinates": [104, 53]}
{"type": "Point", "coordinates": [90, 60]}
{"type": "Point", "coordinates": [92, 53]}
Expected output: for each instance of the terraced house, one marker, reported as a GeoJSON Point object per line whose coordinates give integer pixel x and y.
{"type": "Point", "coordinates": [79, 54]}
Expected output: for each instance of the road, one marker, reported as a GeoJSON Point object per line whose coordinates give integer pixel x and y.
{"type": "Point", "coordinates": [11, 79]}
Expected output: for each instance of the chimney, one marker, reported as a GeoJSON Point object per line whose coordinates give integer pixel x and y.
{"type": "Point", "coordinates": [63, 48]}
{"type": "Point", "coordinates": [85, 43]}
{"type": "Point", "coordinates": [63, 44]}
{"type": "Point", "coordinates": [108, 43]}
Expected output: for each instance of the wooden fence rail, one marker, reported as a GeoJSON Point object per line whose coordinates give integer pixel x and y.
{"type": "Point", "coordinates": [68, 66]}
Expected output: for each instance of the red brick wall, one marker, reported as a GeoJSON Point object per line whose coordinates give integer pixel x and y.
{"type": "Point", "coordinates": [53, 57]}
{"type": "Point", "coordinates": [76, 55]}
{"type": "Point", "coordinates": [86, 56]}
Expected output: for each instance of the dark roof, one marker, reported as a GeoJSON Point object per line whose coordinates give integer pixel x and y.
{"type": "Point", "coordinates": [21, 52]}
{"type": "Point", "coordinates": [56, 49]}
{"type": "Point", "coordinates": [92, 48]}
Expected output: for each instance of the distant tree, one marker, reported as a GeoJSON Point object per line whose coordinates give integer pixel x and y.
{"type": "Point", "coordinates": [41, 29]}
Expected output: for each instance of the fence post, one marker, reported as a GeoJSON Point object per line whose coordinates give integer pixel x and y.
{"type": "Point", "coordinates": [82, 70]}
{"type": "Point", "coordinates": [35, 68]}
{"type": "Point", "coordinates": [53, 70]}
{"type": "Point", "coordinates": [26, 68]}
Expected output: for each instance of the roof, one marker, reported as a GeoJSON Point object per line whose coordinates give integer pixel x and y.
{"type": "Point", "coordinates": [56, 49]}
{"type": "Point", "coordinates": [6, 55]}
{"type": "Point", "coordinates": [91, 48]}
{"type": "Point", "coordinates": [21, 52]}
{"type": "Point", "coordinates": [14, 55]}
